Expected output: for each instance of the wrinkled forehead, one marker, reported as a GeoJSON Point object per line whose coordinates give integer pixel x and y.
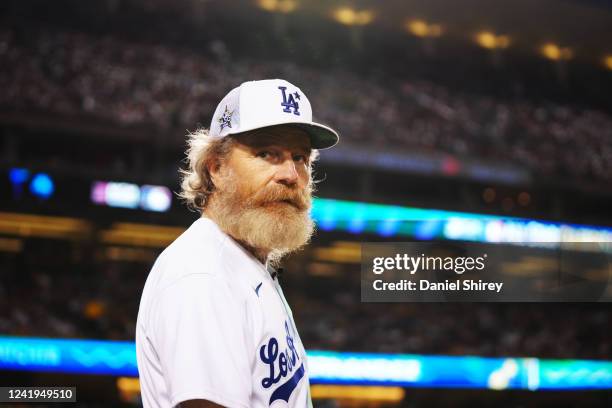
{"type": "Point", "coordinates": [279, 136]}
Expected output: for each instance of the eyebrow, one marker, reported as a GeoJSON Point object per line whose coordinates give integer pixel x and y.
{"type": "Point", "coordinates": [276, 145]}
{"type": "Point", "coordinates": [259, 142]}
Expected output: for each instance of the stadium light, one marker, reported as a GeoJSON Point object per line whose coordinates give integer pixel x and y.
{"type": "Point", "coordinates": [422, 29]}
{"type": "Point", "coordinates": [350, 216]}
{"type": "Point", "coordinates": [129, 388]}
{"type": "Point", "coordinates": [40, 226]}
{"type": "Point", "coordinates": [358, 393]}
{"type": "Point", "coordinates": [608, 62]}
{"type": "Point", "coordinates": [118, 358]}
{"type": "Point", "coordinates": [351, 17]}
{"type": "Point", "coordinates": [278, 6]}
{"type": "Point", "coordinates": [555, 52]}
{"type": "Point", "coordinates": [340, 252]}
{"type": "Point", "coordinates": [491, 41]}
{"type": "Point", "coordinates": [11, 245]}
{"type": "Point", "coordinates": [143, 235]}
{"type": "Point", "coordinates": [18, 176]}
{"type": "Point", "coordinates": [42, 186]}
{"type": "Point", "coordinates": [128, 195]}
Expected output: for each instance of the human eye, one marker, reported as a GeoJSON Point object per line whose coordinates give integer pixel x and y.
{"type": "Point", "coordinates": [300, 158]}
{"type": "Point", "coordinates": [264, 154]}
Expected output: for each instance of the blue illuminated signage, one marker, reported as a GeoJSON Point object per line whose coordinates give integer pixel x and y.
{"type": "Point", "coordinates": [327, 367]}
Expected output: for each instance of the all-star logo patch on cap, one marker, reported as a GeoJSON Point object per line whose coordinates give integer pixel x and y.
{"type": "Point", "coordinates": [270, 102]}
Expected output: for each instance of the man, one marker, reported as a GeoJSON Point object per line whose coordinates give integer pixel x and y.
{"type": "Point", "coordinates": [214, 328]}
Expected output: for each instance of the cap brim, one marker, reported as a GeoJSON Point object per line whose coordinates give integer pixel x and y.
{"type": "Point", "coordinates": [321, 136]}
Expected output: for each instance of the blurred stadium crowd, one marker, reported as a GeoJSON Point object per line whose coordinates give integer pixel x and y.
{"type": "Point", "coordinates": [62, 292]}
{"type": "Point", "coordinates": [127, 83]}
{"type": "Point", "coordinates": [107, 91]}
{"type": "Point", "coordinates": [485, 329]}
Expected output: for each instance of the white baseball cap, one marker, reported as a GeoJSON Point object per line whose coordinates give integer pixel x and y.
{"type": "Point", "coordinates": [269, 102]}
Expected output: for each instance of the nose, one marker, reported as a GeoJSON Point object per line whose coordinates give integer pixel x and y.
{"type": "Point", "coordinates": [286, 173]}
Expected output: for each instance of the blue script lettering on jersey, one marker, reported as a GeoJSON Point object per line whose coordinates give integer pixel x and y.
{"type": "Point", "coordinates": [281, 364]}
{"type": "Point", "coordinates": [284, 391]}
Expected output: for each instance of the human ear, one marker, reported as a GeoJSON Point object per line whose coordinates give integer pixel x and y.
{"type": "Point", "coordinates": [213, 167]}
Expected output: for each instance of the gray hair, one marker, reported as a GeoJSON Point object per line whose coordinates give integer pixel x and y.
{"type": "Point", "coordinates": [202, 151]}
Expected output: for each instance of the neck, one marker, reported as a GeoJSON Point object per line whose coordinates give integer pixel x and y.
{"type": "Point", "coordinates": [260, 254]}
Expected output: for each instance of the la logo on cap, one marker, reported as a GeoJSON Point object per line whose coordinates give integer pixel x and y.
{"type": "Point", "coordinates": [290, 102]}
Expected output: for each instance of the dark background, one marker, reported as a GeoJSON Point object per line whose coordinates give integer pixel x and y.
{"type": "Point", "coordinates": [106, 90]}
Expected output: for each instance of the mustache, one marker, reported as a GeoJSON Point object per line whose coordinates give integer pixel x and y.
{"type": "Point", "coordinates": [299, 198]}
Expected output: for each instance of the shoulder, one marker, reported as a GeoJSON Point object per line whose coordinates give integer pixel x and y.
{"type": "Point", "coordinates": [200, 250]}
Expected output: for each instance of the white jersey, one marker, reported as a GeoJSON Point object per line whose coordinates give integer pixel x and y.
{"type": "Point", "coordinates": [213, 324]}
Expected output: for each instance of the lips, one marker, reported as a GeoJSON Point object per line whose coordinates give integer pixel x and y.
{"type": "Point", "coordinates": [288, 201]}
{"type": "Point", "coordinates": [292, 203]}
